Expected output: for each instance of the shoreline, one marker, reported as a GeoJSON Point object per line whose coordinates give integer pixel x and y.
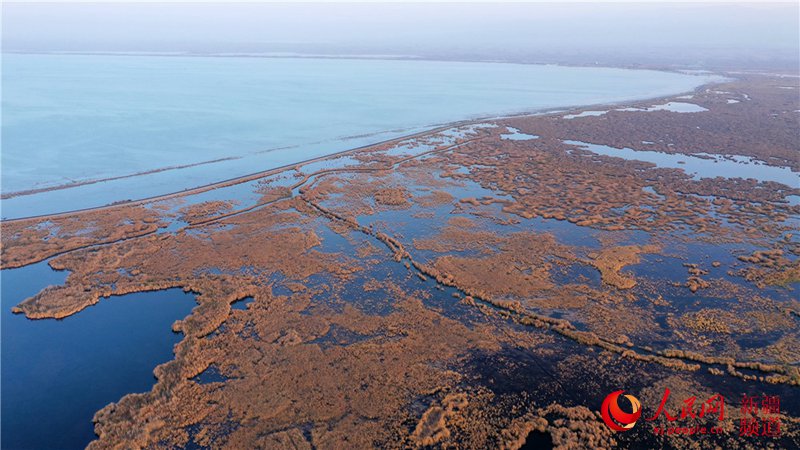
{"type": "Point", "coordinates": [672, 67]}
{"type": "Point", "coordinates": [357, 57]}
{"type": "Point", "coordinates": [435, 128]}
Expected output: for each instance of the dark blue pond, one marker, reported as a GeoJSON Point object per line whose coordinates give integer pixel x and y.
{"type": "Point", "coordinates": [57, 373]}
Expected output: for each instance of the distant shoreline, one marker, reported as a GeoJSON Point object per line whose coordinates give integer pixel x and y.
{"type": "Point", "coordinates": [672, 66]}
{"type": "Point", "coordinates": [363, 57]}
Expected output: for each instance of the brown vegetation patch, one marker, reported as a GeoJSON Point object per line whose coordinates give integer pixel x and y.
{"type": "Point", "coordinates": [33, 240]}
{"type": "Point", "coordinates": [609, 261]}
{"type": "Point", "coordinates": [520, 268]}
{"type": "Point", "coordinates": [392, 197]}
{"type": "Point", "coordinates": [204, 211]}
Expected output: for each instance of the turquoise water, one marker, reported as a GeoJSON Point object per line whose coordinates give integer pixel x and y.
{"type": "Point", "coordinates": [69, 118]}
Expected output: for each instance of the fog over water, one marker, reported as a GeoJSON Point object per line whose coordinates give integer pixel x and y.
{"type": "Point", "coordinates": [721, 34]}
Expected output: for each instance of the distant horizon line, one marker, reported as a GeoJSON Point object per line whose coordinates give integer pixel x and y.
{"type": "Point", "coordinates": [671, 66]}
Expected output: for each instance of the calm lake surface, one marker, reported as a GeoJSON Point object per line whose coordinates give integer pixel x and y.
{"type": "Point", "coordinates": [57, 373]}
{"type": "Point", "coordinates": [71, 118]}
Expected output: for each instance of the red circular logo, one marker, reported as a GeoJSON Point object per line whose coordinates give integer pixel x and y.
{"type": "Point", "coordinates": [615, 417]}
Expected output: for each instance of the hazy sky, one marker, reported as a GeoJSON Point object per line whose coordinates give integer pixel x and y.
{"type": "Point", "coordinates": [478, 29]}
